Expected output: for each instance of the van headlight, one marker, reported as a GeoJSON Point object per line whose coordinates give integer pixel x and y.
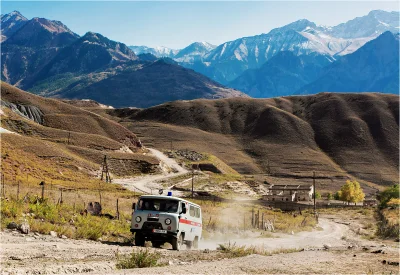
{"type": "Point", "coordinates": [138, 219]}
{"type": "Point", "coordinates": [167, 221]}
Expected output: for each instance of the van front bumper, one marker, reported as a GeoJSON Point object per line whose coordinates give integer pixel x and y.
{"type": "Point", "coordinates": [155, 236]}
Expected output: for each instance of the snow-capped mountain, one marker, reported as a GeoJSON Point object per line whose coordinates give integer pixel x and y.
{"type": "Point", "coordinates": [371, 25]}
{"type": "Point", "coordinates": [229, 60]}
{"type": "Point", "coordinates": [194, 51]}
{"type": "Point", "coordinates": [160, 51]}
{"type": "Point", "coordinates": [301, 37]}
{"type": "Point", "coordinates": [10, 23]}
{"type": "Point", "coordinates": [372, 68]}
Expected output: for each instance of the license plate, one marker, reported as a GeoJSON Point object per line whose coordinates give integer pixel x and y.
{"type": "Point", "coordinates": [159, 231]}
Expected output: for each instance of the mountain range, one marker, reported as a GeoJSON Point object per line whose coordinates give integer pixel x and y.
{"type": "Point", "coordinates": [371, 68]}
{"type": "Point", "coordinates": [47, 58]}
{"type": "Point", "coordinates": [229, 60]}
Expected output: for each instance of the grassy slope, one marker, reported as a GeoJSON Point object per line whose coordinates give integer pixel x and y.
{"type": "Point", "coordinates": [336, 135]}
{"type": "Point", "coordinates": [72, 138]}
{"type": "Point", "coordinates": [60, 115]}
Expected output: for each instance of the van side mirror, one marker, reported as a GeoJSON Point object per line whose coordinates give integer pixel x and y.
{"type": "Point", "coordinates": [133, 206]}
{"type": "Point", "coordinates": [183, 208]}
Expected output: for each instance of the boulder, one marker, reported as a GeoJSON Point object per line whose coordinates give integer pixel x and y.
{"type": "Point", "coordinates": [53, 233]}
{"type": "Point", "coordinates": [94, 208]}
{"type": "Point", "coordinates": [12, 225]}
{"type": "Point", "coordinates": [327, 246]}
{"type": "Point", "coordinates": [24, 228]}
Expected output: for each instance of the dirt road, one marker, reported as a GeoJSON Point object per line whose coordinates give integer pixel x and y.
{"type": "Point", "coordinates": [39, 254]}
{"type": "Point", "coordinates": [149, 184]}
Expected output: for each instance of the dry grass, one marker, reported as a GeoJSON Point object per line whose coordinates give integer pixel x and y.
{"type": "Point", "coordinates": [389, 225]}
{"type": "Point", "coordinates": [45, 216]}
{"type": "Point", "coordinates": [233, 250]}
{"type": "Point", "coordinates": [138, 259]}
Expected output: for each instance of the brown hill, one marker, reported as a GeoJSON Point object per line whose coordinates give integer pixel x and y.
{"type": "Point", "coordinates": [62, 142]}
{"type": "Point", "coordinates": [60, 115]}
{"type": "Point", "coordinates": [338, 136]}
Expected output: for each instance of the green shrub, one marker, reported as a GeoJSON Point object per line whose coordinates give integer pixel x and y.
{"type": "Point", "coordinates": [387, 195]}
{"type": "Point", "coordinates": [11, 209]}
{"type": "Point", "coordinates": [138, 259]}
{"type": "Point", "coordinates": [235, 250]}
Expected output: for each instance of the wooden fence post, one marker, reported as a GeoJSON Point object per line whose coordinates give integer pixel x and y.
{"type": "Point", "coordinates": [117, 210]}
{"type": "Point", "coordinates": [4, 186]}
{"type": "Point", "coordinates": [262, 222]}
{"type": "Point", "coordinates": [18, 190]}
{"type": "Point", "coordinates": [42, 184]}
{"type": "Point", "coordinates": [252, 217]}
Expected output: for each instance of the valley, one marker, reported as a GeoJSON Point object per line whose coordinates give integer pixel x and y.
{"type": "Point", "coordinates": [280, 149]}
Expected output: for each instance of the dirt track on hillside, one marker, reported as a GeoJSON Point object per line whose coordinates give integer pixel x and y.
{"type": "Point", "coordinates": [35, 254]}
{"type": "Point", "coordinates": [148, 184]}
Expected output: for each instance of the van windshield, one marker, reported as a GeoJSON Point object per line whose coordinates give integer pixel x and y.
{"type": "Point", "coordinates": [170, 206]}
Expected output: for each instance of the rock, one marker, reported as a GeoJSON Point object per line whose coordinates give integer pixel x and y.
{"type": "Point", "coordinates": [36, 234]}
{"type": "Point", "coordinates": [24, 228]}
{"type": "Point", "coordinates": [15, 258]}
{"type": "Point", "coordinates": [393, 263]}
{"type": "Point", "coordinates": [327, 246]}
{"type": "Point", "coordinates": [64, 237]}
{"type": "Point", "coordinates": [206, 250]}
{"type": "Point", "coordinates": [377, 251]}
{"type": "Point", "coordinates": [94, 208]}
{"type": "Point", "coordinates": [29, 239]}
{"type": "Point", "coordinates": [71, 221]}
{"type": "Point", "coordinates": [292, 233]}
{"type": "Point", "coordinates": [12, 225]}
{"type": "Point", "coordinates": [53, 234]}
{"type": "Point", "coordinates": [170, 263]}
{"type": "Point", "coordinates": [354, 255]}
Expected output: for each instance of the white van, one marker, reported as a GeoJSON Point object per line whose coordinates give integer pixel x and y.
{"type": "Point", "coordinates": [162, 219]}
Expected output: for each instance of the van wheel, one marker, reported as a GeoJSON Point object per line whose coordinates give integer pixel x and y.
{"type": "Point", "coordinates": [177, 242]}
{"type": "Point", "coordinates": [196, 243]}
{"type": "Point", "coordinates": [189, 245]}
{"type": "Point", "coordinates": [139, 239]}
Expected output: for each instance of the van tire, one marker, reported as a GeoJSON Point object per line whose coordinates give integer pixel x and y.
{"type": "Point", "coordinates": [177, 242]}
{"type": "Point", "coordinates": [139, 239]}
{"type": "Point", "coordinates": [189, 245]}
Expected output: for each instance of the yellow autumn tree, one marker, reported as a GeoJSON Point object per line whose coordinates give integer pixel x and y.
{"type": "Point", "coordinates": [351, 191]}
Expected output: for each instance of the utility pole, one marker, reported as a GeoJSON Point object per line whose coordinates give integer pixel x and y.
{"type": "Point", "coordinates": [105, 170]}
{"type": "Point", "coordinates": [315, 208]}
{"type": "Point", "coordinates": [192, 182]}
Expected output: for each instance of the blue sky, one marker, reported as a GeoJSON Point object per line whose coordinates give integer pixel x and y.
{"type": "Point", "coordinates": [177, 24]}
